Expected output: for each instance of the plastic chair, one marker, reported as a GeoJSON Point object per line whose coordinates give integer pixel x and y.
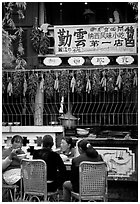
{"type": "Point", "coordinates": [92, 182]}
{"type": "Point", "coordinates": [34, 181]}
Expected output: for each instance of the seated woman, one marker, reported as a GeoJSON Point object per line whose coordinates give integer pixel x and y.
{"type": "Point", "coordinates": [87, 153]}
{"type": "Point", "coordinates": [11, 171]}
{"type": "Point", "coordinates": [7, 161]}
{"type": "Point", "coordinates": [67, 147]}
{"type": "Point", "coordinates": [11, 161]}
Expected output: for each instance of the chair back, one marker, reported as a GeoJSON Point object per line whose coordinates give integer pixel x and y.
{"type": "Point", "coordinates": [93, 180]}
{"type": "Point", "coordinates": [34, 177]}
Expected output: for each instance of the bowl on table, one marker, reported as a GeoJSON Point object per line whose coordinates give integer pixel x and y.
{"type": "Point", "coordinates": [82, 132]}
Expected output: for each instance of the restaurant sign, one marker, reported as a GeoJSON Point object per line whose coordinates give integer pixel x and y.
{"type": "Point", "coordinates": [95, 39]}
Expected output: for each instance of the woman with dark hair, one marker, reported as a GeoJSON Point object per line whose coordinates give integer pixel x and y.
{"type": "Point", "coordinates": [14, 150]}
{"type": "Point", "coordinates": [11, 158]}
{"type": "Point", "coordinates": [67, 147]}
{"type": "Point", "coordinates": [87, 153]}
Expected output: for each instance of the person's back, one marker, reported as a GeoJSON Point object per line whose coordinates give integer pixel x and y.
{"type": "Point", "coordinates": [87, 153]}
{"type": "Point", "coordinates": [56, 170]}
{"type": "Point", "coordinates": [75, 167]}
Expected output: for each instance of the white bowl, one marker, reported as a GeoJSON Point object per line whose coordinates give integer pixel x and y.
{"type": "Point", "coordinates": [82, 131]}
{"type": "Point", "coordinates": [64, 157]}
{"type": "Point", "coordinates": [21, 156]}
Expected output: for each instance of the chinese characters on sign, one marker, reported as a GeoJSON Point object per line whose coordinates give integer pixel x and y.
{"type": "Point", "coordinates": [96, 39]}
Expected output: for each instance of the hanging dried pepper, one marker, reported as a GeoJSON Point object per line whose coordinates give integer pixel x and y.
{"type": "Point", "coordinates": [20, 63]}
{"type": "Point", "coordinates": [80, 81]}
{"type": "Point", "coordinates": [17, 83]}
{"type": "Point", "coordinates": [119, 81]}
{"type": "Point", "coordinates": [104, 80]}
{"type": "Point", "coordinates": [10, 87]}
{"type": "Point", "coordinates": [4, 81]}
{"type": "Point", "coordinates": [88, 83]}
{"type": "Point", "coordinates": [95, 79]}
{"type": "Point", "coordinates": [127, 81]}
{"type": "Point", "coordinates": [56, 82]}
{"type": "Point", "coordinates": [72, 83]}
{"type": "Point", "coordinates": [44, 44]}
{"type": "Point", "coordinates": [64, 83]}
{"type": "Point", "coordinates": [41, 86]}
{"type": "Point", "coordinates": [49, 84]}
{"type": "Point", "coordinates": [35, 37]}
{"type": "Point", "coordinates": [32, 85]}
{"type": "Point", "coordinates": [111, 77]}
{"type": "Point", "coordinates": [24, 86]}
{"type": "Point", "coordinates": [135, 78]}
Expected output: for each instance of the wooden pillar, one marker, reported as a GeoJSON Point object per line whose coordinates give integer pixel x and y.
{"type": "Point", "coordinates": [41, 13]}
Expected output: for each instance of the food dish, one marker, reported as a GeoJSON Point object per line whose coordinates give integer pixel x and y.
{"type": "Point", "coordinates": [64, 157]}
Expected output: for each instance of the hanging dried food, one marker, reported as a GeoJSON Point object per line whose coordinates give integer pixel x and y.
{"type": "Point", "coordinates": [103, 80]}
{"type": "Point", "coordinates": [95, 79]}
{"type": "Point", "coordinates": [10, 87]}
{"type": "Point", "coordinates": [35, 38]}
{"type": "Point", "coordinates": [72, 82]}
{"type": "Point", "coordinates": [56, 82]}
{"type": "Point", "coordinates": [49, 84]}
{"type": "Point", "coordinates": [4, 82]}
{"type": "Point", "coordinates": [135, 78]}
{"type": "Point", "coordinates": [119, 81]}
{"type": "Point", "coordinates": [41, 86]}
{"type": "Point", "coordinates": [80, 81]}
{"type": "Point", "coordinates": [20, 63]}
{"type": "Point", "coordinates": [44, 44]}
{"type": "Point", "coordinates": [64, 83]}
{"type": "Point", "coordinates": [111, 77]}
{"type": "Point", "coordinates": [127, 81]}
{"type": "Point", "coordinates": [88, 83]}
{"type": "Point", "coordinates": [39, 38]}
{"type": "Point", "coordinates": [32, 85]}
{"type": "Point", "coordinates": [17, 83]}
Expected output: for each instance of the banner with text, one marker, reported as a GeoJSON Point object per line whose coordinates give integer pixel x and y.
{"type": "Point", "coordinates": [95, 39]}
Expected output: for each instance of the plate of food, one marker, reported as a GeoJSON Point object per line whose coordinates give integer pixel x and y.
{"type": "Point", "coordinates": [64, 157]}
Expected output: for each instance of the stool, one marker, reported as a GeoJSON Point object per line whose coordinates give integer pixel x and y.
{"type": "Point", "coordinates": [11, 188]}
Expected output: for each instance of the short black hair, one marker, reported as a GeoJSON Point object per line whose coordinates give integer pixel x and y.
{"type": "Point", "coordinates": [16, 138]}
{"type": "Point", "coordinates": [48, 141]}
